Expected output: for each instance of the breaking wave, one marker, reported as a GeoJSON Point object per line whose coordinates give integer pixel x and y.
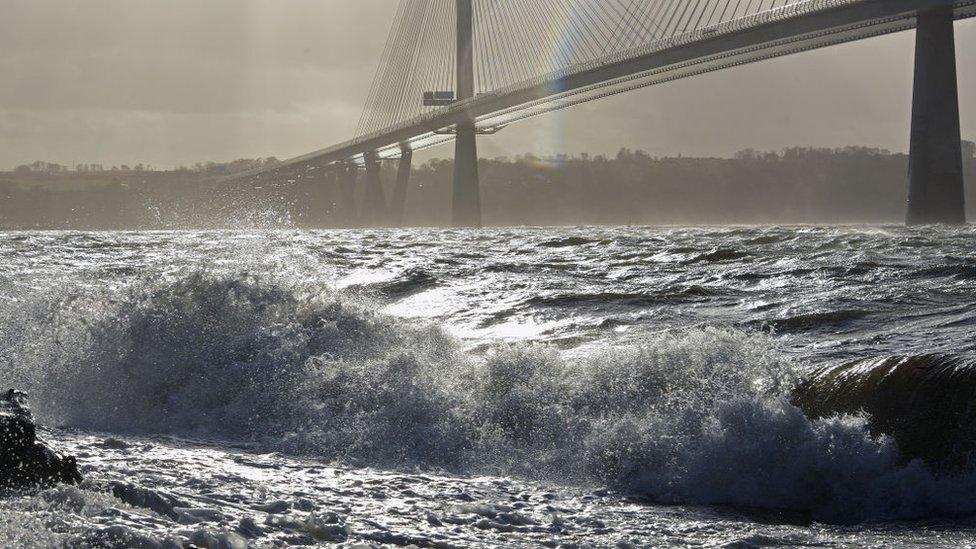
{"type": "Point", "coordinates": [407, 283]}
{"type": "Point", "coordinates": [700, 416]}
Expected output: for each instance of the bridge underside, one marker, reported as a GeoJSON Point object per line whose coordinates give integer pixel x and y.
{"type": "Point", "coordinates": [772, 34]}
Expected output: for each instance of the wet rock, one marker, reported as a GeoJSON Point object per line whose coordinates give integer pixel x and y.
{"type": "Point", "coordinates": [114, 444]}
{"type": "Point", "coordinates": [274, 507]}
{"type": "Point", "coordinates": [329, 532]}
{"type": "Point", "coordinates": [516, 519]}
{"type": "Point", "coordinates": [327, 527]}
{"type": "Point", "coordinates": [248, 528]}
{"type": "Point", "coordinates": [481, 509]}
{"type": "Point", "coordinates": [222, 540]}
{"type": "Point", "coordinates": [24, 460]}
{"type": "Point", "coordinates": [304, 504]}
{"type": "Point", "coordinates": [324, 526]}
{"type": "Point", "coordinates": [194, 515]}
{"type": "Point", "coordinates": [155, 500]}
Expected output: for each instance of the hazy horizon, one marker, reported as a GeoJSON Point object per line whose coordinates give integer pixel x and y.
{"type": "Point", "coordinates": [169, 84]}
{"type": "Point", "coordinates": [796, 186]}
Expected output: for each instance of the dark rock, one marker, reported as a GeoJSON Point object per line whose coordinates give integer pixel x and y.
{"type": "Point", "coordinates": [24, 460]}
{"type": "Point", "coordinates": [158, 501]}
{"type": "Point", "coordinates": [114, 444]}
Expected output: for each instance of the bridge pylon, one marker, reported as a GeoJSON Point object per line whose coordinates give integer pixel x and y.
{"type": "Point", "coordinates": [347, 175]}
{"type": "Point", "coordinates": [399, 200]}
{"type": "Point", "coordinates": [936, 192]}
{"type": "Point", "coordinates": [374, 213]}
{"type": "Point", "coordinates": [330, 179]}
{"type": "Point", "coordinates": [466, 210]}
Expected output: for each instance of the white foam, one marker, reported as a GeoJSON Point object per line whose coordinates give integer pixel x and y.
{"type": "Point", "coordinates": [697, 416]}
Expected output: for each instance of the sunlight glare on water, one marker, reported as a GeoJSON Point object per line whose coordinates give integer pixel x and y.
{"type": "Point", "coordinates": [603, 386]}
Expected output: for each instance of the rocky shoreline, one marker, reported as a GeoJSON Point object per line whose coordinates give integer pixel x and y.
{"type": "Point", "coordinates": [26, 461]}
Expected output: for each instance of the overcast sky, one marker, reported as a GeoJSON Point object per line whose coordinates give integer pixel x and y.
{"type": "Point", "coordinates": [169, 82]}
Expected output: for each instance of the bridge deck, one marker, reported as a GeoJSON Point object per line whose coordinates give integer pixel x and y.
{"type": "Point", "coordinates": [778, 32]}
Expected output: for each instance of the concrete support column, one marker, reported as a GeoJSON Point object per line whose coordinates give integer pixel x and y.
{"type": "Point", "coordinates": [467, 190]}
{"type": "Point", "coordinates": [467, 193]}
{"type": "Point", "coordinates": [374, 202]}
{"type": "Point", "coordinates": [332, 184]}
{"type": "Point", "coordinates": [312, 196]}
{"type": "Point", "coordinates": [347, 194]}
{"type": "Point", "coordinates": [936, 191]}
{"type": "Point", "coordinates": [399, 200]}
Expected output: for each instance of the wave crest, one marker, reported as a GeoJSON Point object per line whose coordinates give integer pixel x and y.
{"type": "Point", "coordinates": [699, 416]}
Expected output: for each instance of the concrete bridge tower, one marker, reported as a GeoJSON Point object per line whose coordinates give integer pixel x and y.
{"type": "Point", "coordinates": [466, 210]}
{"type": "Point", "coordinates": [936, 192]}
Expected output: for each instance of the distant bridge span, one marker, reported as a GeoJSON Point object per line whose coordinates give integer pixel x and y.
{"type": "Point", "coordinates": [644, 42]}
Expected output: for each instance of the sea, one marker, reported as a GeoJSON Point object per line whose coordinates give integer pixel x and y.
{"type": "Point", "coordinates": [576, 387]}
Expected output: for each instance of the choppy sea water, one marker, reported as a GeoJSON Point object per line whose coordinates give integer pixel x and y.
{"type": "Point", "coordinates": [604, 387]}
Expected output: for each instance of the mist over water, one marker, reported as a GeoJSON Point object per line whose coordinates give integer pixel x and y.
{"type": "Point", "coordinates": [650, 362]}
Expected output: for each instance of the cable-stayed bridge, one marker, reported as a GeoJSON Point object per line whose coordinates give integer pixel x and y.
{"type": "Point", "coordinates": [453, 69]}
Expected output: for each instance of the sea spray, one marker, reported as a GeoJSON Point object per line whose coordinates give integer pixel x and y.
{"type": "Point", "coordinates": [698, 416]}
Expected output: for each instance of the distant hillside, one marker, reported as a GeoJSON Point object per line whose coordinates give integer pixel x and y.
{"type": "Point", "coordinates": [796, 185]}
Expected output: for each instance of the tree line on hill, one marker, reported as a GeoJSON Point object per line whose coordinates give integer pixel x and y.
{"type": "Point", "coordinates": [794, 185]}
{"type": "Point", "coordinates": [208, 168]}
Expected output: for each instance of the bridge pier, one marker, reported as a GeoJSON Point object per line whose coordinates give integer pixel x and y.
{"type": "Point", "coordinates": [374, 212]}
{"type": "Point", "coordinates": [399, 199]}
{"type": "Point", "coordinates": [331, 182]}
{"type": "Point", "coordinates": [467, 189]}
{"type": "Point", "coordinates": [311, 197]}
{"type": "Point", "coordinates": [346, 179]}
{"type": "Point", "coordinates": [467, 192]}
{"type": "Point", "coordinates": [936, 191]}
